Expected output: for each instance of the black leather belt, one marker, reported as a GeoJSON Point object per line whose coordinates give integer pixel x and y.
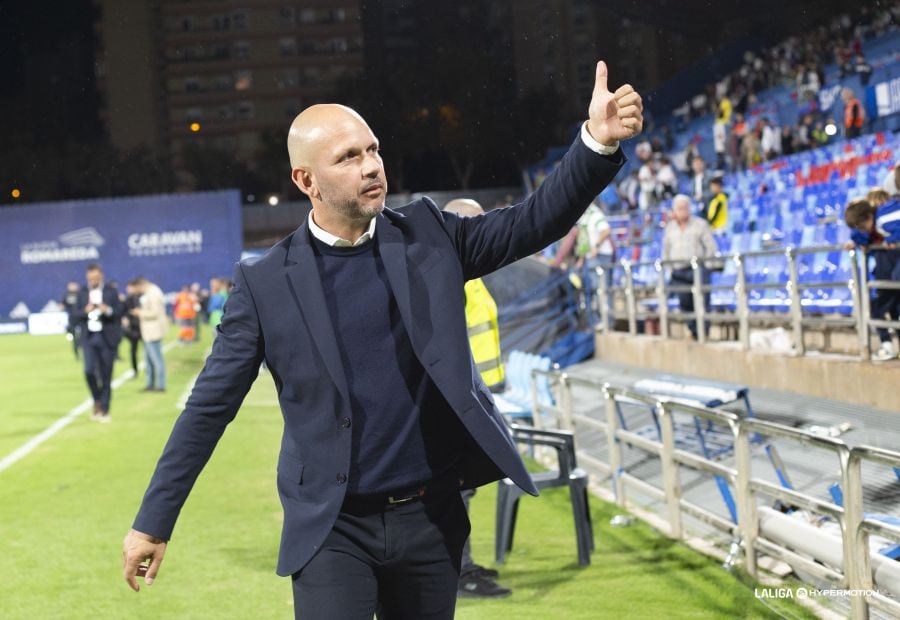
{"type": "Point", "coordinates": [406, 495]}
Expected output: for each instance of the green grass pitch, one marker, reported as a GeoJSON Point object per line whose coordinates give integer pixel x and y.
{"type": "Point", "coordinates": [65, 507]}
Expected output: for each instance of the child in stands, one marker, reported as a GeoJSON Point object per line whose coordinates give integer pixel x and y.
{"type": "Point", "coordinates": [875, 220]}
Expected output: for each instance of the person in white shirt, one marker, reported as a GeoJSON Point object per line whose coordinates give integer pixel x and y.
{"type": "Point", "coordinates": [99, 311]}
{"type": "Point", "coordinates": [771, 140]}
{"type": "Point", "coordinates": [687, 236]}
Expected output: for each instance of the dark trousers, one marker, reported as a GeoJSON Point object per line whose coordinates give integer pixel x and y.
{"type": "Point", "coordinates": [98, 367]}
{"type": "Point", "coordinates": [467, 561]}
{"type": "Point", "coordinates": [683, 277]}
{"type": "Point", "coordinates": [134, 351]}
{"type": "Point", "coordinates": [885, 302]}
{"type": "Point", "coordinates": [395, 562]}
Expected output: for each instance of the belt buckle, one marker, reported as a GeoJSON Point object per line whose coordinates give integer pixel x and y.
{"type": "Point", "coordinates": [398, 501]}
{"type": "Point", "coordinates": [393, 500]}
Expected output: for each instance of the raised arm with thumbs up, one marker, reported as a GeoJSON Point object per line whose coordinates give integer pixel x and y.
{"type": "Point", "coordinates": [613, 116]}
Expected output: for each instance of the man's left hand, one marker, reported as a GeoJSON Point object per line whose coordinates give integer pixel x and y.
{"type": "Point", "coordinates": [613, 116]}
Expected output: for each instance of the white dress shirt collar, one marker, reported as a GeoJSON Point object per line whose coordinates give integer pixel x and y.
{"type": "Point", "coordinates": [336, 242]}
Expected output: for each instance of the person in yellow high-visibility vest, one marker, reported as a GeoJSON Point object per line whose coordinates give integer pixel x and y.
{"type": "Point", "coordinates": [481, 313]}
{"type": "Point", "coordinates": [484, 333]}
{"type": "Point", "coordinates": [484, 338]}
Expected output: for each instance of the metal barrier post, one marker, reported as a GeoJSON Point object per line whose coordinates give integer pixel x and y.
{"type": "Point", "coordinates": [629, 298]}
{"type": "Point", "coordinates": [671, 481]}
{"type": "Point", "coordinates": [565, 393]}
{"type": "Point", "coordinates": [662, 298]}
{"type": "Point", "coordinates": [614, 447]}
{"type": "Point", "coordinates": [857, 564]}
{"type": "Point", "coordinates": [742, 304]}
{"type": "Point", "coordinates": [603, 298]}
{"type": "Point", "coordinates": [865, 308]}
{"type": "Point", "coordinates": [858, 284]}
{"type": "Point", "coordinates": [699, 307]}
{"type": "Point", "coordinates": [748, 517]}
{"type": "Point", "coordinates": [796, 309]}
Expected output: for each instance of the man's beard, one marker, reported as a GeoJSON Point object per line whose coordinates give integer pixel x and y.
{"type": "Point", "coordinates": [352, 209]}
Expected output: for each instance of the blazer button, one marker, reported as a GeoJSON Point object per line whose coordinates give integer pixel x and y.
{"type": "Point", "coordinates": [341, 478]}
{"type": "Point", "coordinates": [345, 422]}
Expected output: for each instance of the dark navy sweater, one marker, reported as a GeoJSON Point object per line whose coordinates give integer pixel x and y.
{"type": "Point", "coordinates": [403, 430]}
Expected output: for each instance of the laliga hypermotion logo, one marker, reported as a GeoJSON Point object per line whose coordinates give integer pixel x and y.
{"type": "Point", "coordinates": [76, 245]}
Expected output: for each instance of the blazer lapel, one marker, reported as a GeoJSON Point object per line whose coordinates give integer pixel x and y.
{"type": "Point", "coordinates": [392, 247]}
{"type": "Point", "coordinates": [306, 288]}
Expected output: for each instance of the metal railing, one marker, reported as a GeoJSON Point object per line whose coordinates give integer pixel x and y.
{"type": "Point", "coordinates": [743, 317]}
{"type": "Point", "coordinates": [855, 572]}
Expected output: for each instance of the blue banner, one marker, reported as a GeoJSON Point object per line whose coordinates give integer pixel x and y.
{"type": "Point", "coordinates": [886, 97]}
{"type": "Point", "coordinates": [171, 240]}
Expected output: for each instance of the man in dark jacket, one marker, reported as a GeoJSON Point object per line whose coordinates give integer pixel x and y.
{"type": "Point", "coordinates": [360, 317]}
{"type": "Point", "coordinates": [99, 313]}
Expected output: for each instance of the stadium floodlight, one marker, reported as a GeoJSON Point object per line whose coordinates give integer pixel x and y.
{"type": "Point", "coordinates": [273, 200]}
{"type": "Point", "coordinates": [830, 129]}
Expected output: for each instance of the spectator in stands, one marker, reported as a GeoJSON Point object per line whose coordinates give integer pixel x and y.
{"type": "Point", "coordinates": [648, 196]}
{"type": "Point", "coordinates": [699, 181]}
{"type": "Point", "coordinates": [808, 84]}
{"type": "Point", "coordinates": [99, 312]}
{"type": "Point", "coordinates": [803, 135]}
{"type": "Point", "coordinates": [666, 179]}
{"type": "Point", "coordinates": [819, 135]}
{"type": "Point", "coordinates": [690, 153]}
{"type": "Point", "coordinates": [854, 114]}
{"type": "Point", "coordinates": [154, 324]}
{"type": "Point", "coordinates": [875, 221]}
{"type": "Point", "coordinates": [716, 210]}
{"type": "Point", "coordinates": [891, 182]}
{"type": "Point", "coordinates": [73, 327]}
{"type": "Point", "coordinates": [770, 143]}
{"type": "Point", "coordinates": [788, 142]}
{"type": "Point", "coordinates": [725, 108]}
{"type": "Point", "coordinates": [720, 141]}
{"type": "Point", "coordinates": [736, 140]}
{"type": "Point", "coordinates": [131, 323]}
{"type": "Point", "coordinates": [685, 237]}
{"type": "Point", "coordinates": [751, 152]}
{"type": "Point", "coordinates": [862, 69]}
{"type": "Point", "coordinates": [629, 189]}
{"type": "Point", "coordinates": [476, 581]}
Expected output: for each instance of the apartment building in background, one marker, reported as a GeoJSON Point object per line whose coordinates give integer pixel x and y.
{"type": "Point", "coordinates": [218, 73]}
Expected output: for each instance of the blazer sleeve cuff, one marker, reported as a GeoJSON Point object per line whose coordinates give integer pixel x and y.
{"type": "Point", "coordinates": [600, 149]}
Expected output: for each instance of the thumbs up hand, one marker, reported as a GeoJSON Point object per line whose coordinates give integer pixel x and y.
{"type": "Point", "coordinates": [613, 116]}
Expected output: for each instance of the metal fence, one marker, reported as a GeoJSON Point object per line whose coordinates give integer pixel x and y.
{"type": "Point", "coordinates": [647, 297]}
{"type": "Point", "coordinates": [854, 571]}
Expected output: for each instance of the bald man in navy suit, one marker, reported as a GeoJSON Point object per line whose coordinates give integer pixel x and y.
{"type": "Point", "coordinates": [359, 316]}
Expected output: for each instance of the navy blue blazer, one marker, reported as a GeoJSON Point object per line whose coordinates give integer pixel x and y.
{"type": "Point", "coordinates": [277, 312]}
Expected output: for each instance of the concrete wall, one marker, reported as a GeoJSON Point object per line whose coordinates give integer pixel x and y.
{"type": "Point", "coordinates": [826, 376]}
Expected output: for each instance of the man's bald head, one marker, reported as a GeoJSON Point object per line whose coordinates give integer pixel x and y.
{"type": "Point", "coordinates": [315, 125]}
{"type": "Point", "coordinates": [464, 207]}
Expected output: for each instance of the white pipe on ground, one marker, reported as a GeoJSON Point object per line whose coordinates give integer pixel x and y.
{"type": "Point", "coordinates": [823, 546]}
